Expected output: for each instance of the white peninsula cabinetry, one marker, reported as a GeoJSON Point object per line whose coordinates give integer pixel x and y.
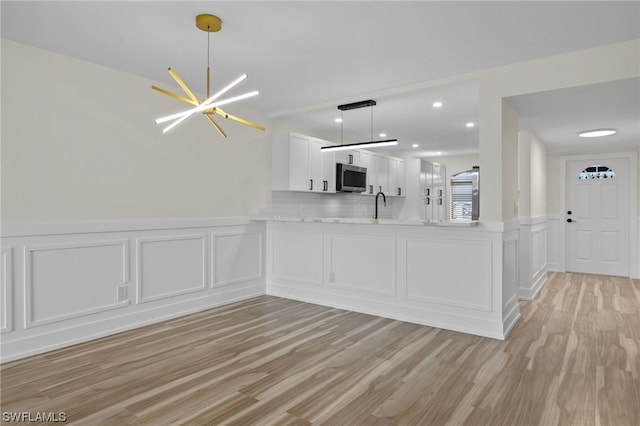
{"type": "Point", "coordinates": [299, 164]}
{"type": "Point", "coordinates": [444, 276]}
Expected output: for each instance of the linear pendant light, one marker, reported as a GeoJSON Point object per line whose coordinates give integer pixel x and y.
{"type": "Point", "coordinates": [359, 145]}
{"type": "Point", "coordinates": [211, 105]}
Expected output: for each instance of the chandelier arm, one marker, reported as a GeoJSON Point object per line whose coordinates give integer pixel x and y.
{"type": "Point", "coordinates": [175, 123]}
{"type": "Point", "coordinates": [174, 95]}
{"type": "Point", "coordinates": [216, 125]}
{"type": "Point", "coordinates": [182, 84]}
{"type": "Point", "coordinates": [206, 105]}
{"type": "Point", "coordinates": [238, 119]}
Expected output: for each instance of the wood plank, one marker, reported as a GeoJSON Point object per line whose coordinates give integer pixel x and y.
{"type": "Point", "coordinates": [572, 359]}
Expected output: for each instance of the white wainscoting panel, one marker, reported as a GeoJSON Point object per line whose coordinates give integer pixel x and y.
{"type": "Point", "coordinates": [450, 272]}
{"type": "Point", "coordinates": [64, 281]}
{"type": "Point", "coordinates": [170, 266]}
{"type": "Point", "coordinates": [237, 257]}
{"type": "Point", "coordinates": [555, 253]}
{"type": "Point", "coordinates": [363, 263]}
{"type": "Point", "coordinates": [6, 299]}
{"type": "Point", "coordinates": [447, 277]}
{"type": "Point", "coordinates": [63, 284]}
{"type": "Point", "coordinates": [298, 257]}
{"type": "Point", "coordinates": [533, 251]}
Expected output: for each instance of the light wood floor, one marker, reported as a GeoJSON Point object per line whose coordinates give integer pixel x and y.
{"type": "Point", "coordinates": [571, 360]}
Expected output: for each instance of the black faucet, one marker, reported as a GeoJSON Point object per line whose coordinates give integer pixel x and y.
{"type": "Point", "coordinates": [383, 199]}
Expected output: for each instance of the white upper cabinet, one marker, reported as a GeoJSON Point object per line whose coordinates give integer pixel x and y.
{"type": "Point", "coordinates": [299, 164]}
{"type": "Point", "coordinates": [396, 177]}
{"type": "Point", "coordinates": [382, 173]}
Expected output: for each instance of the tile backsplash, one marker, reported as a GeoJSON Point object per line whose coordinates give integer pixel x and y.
{"type": "Point", "coordinates": [303, 204]}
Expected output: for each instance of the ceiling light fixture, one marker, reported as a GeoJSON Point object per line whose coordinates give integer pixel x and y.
{"type": "Point", "coordinates": [470, 124]}
{"type": "Point", "coordinates": [210, 105]}
{"type": "Point", "coordinates": [597, 133]}
{"type": "Point", "coordinates": [415, 145]}
{"type": "Point", "coordinates": [437, 104]}
{"type": "Point", "coordinates": [359, 145]}
{"type": "Point", "coordinates": [338, 120]}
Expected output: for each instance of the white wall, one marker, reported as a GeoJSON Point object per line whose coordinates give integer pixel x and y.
{"type": "Point", "coordinates": [79, 143]}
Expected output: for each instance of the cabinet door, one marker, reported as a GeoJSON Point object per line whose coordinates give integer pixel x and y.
{"type": "Point", "coordinates": [368, 161]}
{"type": "Point", "coordinates": [393, 176]}
{"type": "Point", "coordinates": [382, 183]}
{"type": "Point", "coordinates": [315, 165]}
{"type": "Point", "coordinates": [328, 171]}
{"type": "Point", "coordinates": [299, 171]}
{"type": "Point", "coordinates": [401, 178]}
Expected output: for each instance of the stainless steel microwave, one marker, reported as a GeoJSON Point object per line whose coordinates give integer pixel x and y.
{"type": "Point", "coordinates": [350, 178]}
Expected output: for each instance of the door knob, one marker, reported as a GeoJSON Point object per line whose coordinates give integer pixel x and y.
{"type": "Point", "coordinates": [569, 212]}
{"type": "Point", "coordinates": [570, 220]}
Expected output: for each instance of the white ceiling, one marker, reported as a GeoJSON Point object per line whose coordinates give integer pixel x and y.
{"type": "Point", "coordinates": [307, 57]}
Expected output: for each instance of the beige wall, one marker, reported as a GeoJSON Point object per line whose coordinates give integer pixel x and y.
{"type": "Point", "coordinates": [538, 161]}
{"type": "Point", "coordinates": [79, 143]}
{"type": "Point", "coordinates": [532, 180]}
{"type": "Point", "coordinates": [554, 72]}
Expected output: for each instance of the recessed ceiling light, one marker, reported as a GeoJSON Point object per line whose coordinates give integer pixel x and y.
{"type": "Point", "coordinates": [437, 104]}
{"type": "Point", "coordinates": [415, 145]}
{"type": "Point", "coordinates": [383, 135]}
{"type": "Point", "coordinates": [338, 120]}
{"type": "Point", "coordinates": [471, 124]}
{"type": "Point", "coordinates": [597, 133]}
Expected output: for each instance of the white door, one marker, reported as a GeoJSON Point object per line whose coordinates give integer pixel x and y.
{"type": "Point", "coordinates": [597, 216]}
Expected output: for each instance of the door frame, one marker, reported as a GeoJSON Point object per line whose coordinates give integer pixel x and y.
{"type": "Point", "coordinates": [634, 271]}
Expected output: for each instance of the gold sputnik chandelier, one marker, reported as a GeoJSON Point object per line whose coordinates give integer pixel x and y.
{"type": "Point", "coordinates": [210, 106]}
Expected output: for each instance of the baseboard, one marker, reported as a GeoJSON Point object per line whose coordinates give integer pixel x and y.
{"type": "Point", "coordinates": [80, 333]}
{"type": "Point", "coordinates": [396, 310]}
{"type": "Point", "coordinates": [536, 285]}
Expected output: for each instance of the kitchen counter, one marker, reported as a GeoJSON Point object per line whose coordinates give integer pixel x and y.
{"type": "Point", "coordinates": [367, 221]}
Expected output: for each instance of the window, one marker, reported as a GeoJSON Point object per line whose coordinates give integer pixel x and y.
{"type": "Point", "coordinates": [461, 199]}
{"type": "Point", "coordinates": [597, 172]}
{"type": "Point", "coordinates": [465, 195]}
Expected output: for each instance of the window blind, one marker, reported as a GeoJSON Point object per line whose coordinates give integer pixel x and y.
{"type": "Point", "coordinates": [461, 200]}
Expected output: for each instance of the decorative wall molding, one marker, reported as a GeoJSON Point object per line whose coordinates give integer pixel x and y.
{"type": "Point", "coordinates": [61, 283]}
{"type": "Point", "coordinates": [177, 266]}
{"type": "Point", "coordinates": [6, 296]}
{"type": "Point", "coordinates": [374, 268]}
{"type": "Point", "coordinates": [70, 286]}
{"type": "Point", "coordinates": [471, 282]}
{"type": "Point", "coordinates": [532, 261]}
{"type": "Point", "coordinates": [297, 257]}
{"type": "Point", "coordinates": [226, 267]}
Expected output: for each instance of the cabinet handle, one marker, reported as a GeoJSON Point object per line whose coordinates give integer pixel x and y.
{"type": "Point", "coordinates": [370, 189]}
{"type": "Point", "coordinates": [399, 191]}
{"type": "Point", "coordinates": [440, 201]}
{"type": "Point", "coordinates": [428, 201]}
{"type": "Point", "coordinates": [310, 184]}
{"type": "Point", "coordinates": [325, 185]}
{"type": "Point", "coordinates": [350, 157]}
{"type": "Point", "coordinates": [427, 192]}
